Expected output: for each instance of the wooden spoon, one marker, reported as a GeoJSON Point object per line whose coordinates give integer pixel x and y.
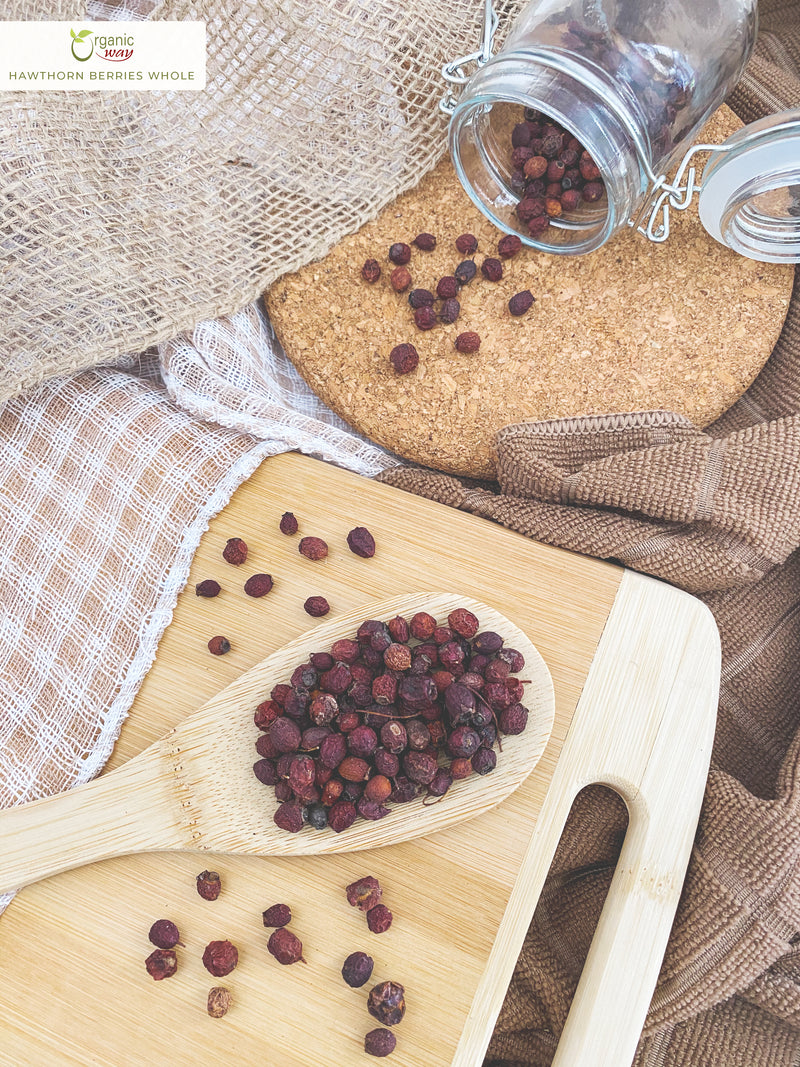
{"type": "Point", "coordinates": [194, 790]}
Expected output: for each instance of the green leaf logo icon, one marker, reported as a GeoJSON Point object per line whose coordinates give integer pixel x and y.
{"type": "Point", "coordinates": [81, 39]}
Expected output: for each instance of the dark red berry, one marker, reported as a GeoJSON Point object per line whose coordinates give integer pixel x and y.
{"type": "Point", "coordinates": [425, 318]}
{"type": "Point", "coordinates": [467, 244]}
{"type": "Point", "coordinates": [379, 918]}
{"type": "Point", "coordinates": [208, 588]}
{"type": "Point", "coordinates": [357, 969]}
{"type": "Point", "coordinates": [426, 242]}
{"type": "Point", "coordinates": [316, 607]}
{"type": "Point", "coordinates": [420, 298]}
{"type": "Point", "coordinates": [509, 245]}
{"type": "Point", "coordinates": [404, 358]}
{"type": "Point", "coordinates": [235, 551]}
{"type": "Point", "coordinates": [164, 934]}
{"type": "Point", "coordinates": [361, 542]}
{"type": "Point", "coordinates": [492, 269]}
{"type": "Point", "coordinates": [400, 253]}
{"type": "Point", "coordinates": [219, 646]}
{"type": "Point", "coordinates": [258, 585]}
{"type": "Point", "coordinates": [380, 1043]}
{"type": "Point", "coordinates": [313, 548]}
{"type": "Point", "coordinates": [447, 287]}
{"type": "Point", "coordinates": [162, 963]}
{"type": "Point", "coordinates": [449, 311]}
{"type": "Point", "coordinates": [285, 946]}
{"type": "Point", "coordinates": [468, 342]}
{"type": "Point", "coordinates": [400, 279]}
{"type": "Point", "coordinates": [521, 302]}
{"type": "Point", "coordinates": [220, 958]}
{"type": "Point", "coordinates": [288, 523]}
{"type": "Point", "coordinates": [371, 271]}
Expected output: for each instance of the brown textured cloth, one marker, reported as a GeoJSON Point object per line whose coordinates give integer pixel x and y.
{"type": "Point", "coordinates": [717, 513]}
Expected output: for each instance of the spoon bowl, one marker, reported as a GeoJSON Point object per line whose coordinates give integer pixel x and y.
{"type": "Point", "coordinates": [194, 790]}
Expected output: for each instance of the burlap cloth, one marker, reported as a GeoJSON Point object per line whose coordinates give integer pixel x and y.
{"type": "Point", "coordinates": [716, 513]}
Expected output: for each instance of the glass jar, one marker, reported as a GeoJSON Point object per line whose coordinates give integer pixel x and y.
{"type": "Point", "coordinates": [627, 83]}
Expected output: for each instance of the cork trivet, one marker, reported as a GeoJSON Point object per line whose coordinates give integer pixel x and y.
{"type": "Point", "coordinates": [685, 326]}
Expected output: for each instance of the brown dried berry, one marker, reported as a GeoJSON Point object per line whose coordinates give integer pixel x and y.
{"type": "Point", "coordinates": [588, 168]}
{"type": "Point", "coordinates": [397, 657]}
{"type": "Point", "coordinates": [521, 302]}
{"type": "Point", "coordinates": [258, 585]}
{"type": "Point", "coordinates": [208, 588]}
{"type": "Point", "coordinates": [371, 271]}
{"type": "Point", "coordinates": [570, 199]}
{"type": "Point", "coordinates": [219, 1002]}
{"type": "Point", "coordinates": [361, 542]}
{"type": "Point", "coordinates": [400, 279]}
{"type": "Point", "coordinates": [288, 523]}
{"type": "Point", "coordinates": [449, 311]}
{"type": "Point", "coordinates": [530, 208]}
{"type": "Point", "coordinates": [162, 963]}
{"type": "Point", "coordinates": [316, 607]}
{"type": "Point", "coordinates": [285, 946]}
{"type": "Point", "coordinates": [364, 893]}
{"type": "Point", "coordinates": [464, 622]}
{"type": "Point", "coordinates": [277, 915]}
{"type": "Point", "coordinates": [465, 272]}
{"type": "Point", "coordinates": [164, 934]}
{"type": "Point", "coordinates": [220, 958]}
{"type": "Point", "coordinates": [537, 226]}
{"type": "Point", "coordinates": [420, 298]}
{"type": "Point", "coordinates": [219, 645]}
{"type": "Point", "coordinates": [467, 244]}
{"type": "Point", "coordinates": [468, 342]}
{"type": "Point", "coordinates": [357, 969]}
{"type": "Point", "coordinates": [235, 551]}
{"type": "Point", "coordinates": [386, 1003]}
{"type": "Point", "coordinates": [341, 816]}
{"type": "Point", "coordinates": [492, 269]}
{"type": "Point", "coordinates": [379, 918]}
{"type": "Point", "coordinates": [422, 625]}
{"type": "Point", "coordinates": [404, 358]}
{"type": "Point", "coordinates": [447, 287]}
{"type": "Point", "coordinates": [208, 885]}
{"type": "Point", "coordinates": [426, 242]}
{"type": "Point", "coordinates": [509, 245]}
{"type": "Point", "coordinates": [380, 1043]}
{"type": "Point", "coordinates": [425, 318]}
{"type": "Point", "coordinates": [400, 253]}
{"type": "Point", "coordinates": [552, 207]}
{"type": "Point", "coordinates": [592, 192]}
{"type": "Point", "coordinates": [289, 815]}
{"type": "Point", "coordinates": [535, 167]}
{"type": "Point", "coordinates": [354, 769]}
{"type": "Point", "coordinates": [313, 548]}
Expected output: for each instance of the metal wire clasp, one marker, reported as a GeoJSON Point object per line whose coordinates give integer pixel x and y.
{"type": "Point", "coordinates": [665, 195]}
{"type": "Point", "coordinates": [454, 72]}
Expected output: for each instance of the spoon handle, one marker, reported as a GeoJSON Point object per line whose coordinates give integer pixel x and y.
{"type": "Point", "coordinates": [127, 810]}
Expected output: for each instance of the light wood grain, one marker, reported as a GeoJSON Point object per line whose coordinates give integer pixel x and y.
{"type": "Point", "coordinates": [194, 790]}
{"type": "Point", "coordinates": [83, 997]}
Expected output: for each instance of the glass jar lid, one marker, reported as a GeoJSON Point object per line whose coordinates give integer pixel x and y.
{"type": "Point", "coordinates": [750, 194]}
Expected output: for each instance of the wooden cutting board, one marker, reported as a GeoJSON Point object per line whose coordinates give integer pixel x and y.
{"type": "Point", "coordinates": [635, 667]}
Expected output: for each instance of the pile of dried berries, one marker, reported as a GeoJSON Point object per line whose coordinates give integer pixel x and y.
{"type": "Point", "coordinates": [552, 172]}
{"type": "Point", "coordinates": [400, 710]}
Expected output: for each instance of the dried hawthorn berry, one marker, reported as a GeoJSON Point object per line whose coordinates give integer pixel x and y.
{"type": "Point", "coordinates": [521, 302]}
{"type": "Point", "coordinates": [289, 816]}
{"type": "Point", "coordinates": [449, 311]}
{"type": "Point", "coordinates": [277, 915]}
{"type": "Point", "coordinates": [484, 761]}
{"type": "Point", "coordinates": [420, 298]}
{"type": "Point", "coordinates": [371, 271]}
{"type": "Point", "coordinates": [235, 551]}
{"type": "Point", "coordinates": [537, 226]}
{"type": "Point", "coordinates": [386, 1003]}
{"type": "Point", "coordinates": [220, 958]}
{"type": "Point", "coordinates": [513, 719]}
{"type": "Point", "coordinates": [258, 585]}
{"type": "Point", "coordinates": [530, 208]}
{"type": "Point", "coordinates": [399, 253]}
{"type": "Point", "coordinates": [400, 279]}
{"type": "Point", "coordinates": [468, 342]}
{"type": "Point", "coordinates": [316, 607]}
{"type": "Point", "coordinates": [422, 625]}
{"type": "Point", "coordinates": [509, 245]}
{"type": "Point", "coordinates": [398, 628]}
{"type": "Point", "coordinates": [285, 946]}
{"type": "Point", "coordinates": [447, 287]}
{"type": "Point", "coordinates": [357, 969]}
{"type": "Point", "coordinates": [425, 318]}
{"type": "Point", "coordinates": [425, 241]}
{"type": "Point", "coordinates": [592, 192]}
{"type": "Point", "coordinates": [464, 622]}
{"type": "Point", "coordinates": [164, 934]}
{"type": "Point", "coordinates": [162, 963]}
{"type": "Point", "coordinates": [313, 548]}
{"type": "Point", "coordinates": [208, 588]}
{"type": "Point", "coordinates": [570, 199]}
{"type": "Point", "coordinates": [219, 1002]}
{"type": "Point", "coordinates": [492, 269]}
{"type": "Point", "coordinates": [465, 272]}
{"type": "Point", "coordinates": [341, 816]}
{"type": "Point", "coordinates": [378, 788]}
{"type": "Point", "coordinates": [380, 1043]}
{"type": "Point", "coordinates": [404, 358]}
{"type": "Point", "coordinates": [379, 918]}
{"type": "Point", "coordinates": [208, 885]}
{"type": "Point", "coordinates": [288, 524]}
{"type": "Point", "coordinates": [361, 542]}
{"type": "Point", "coordinates": [364, 893]}
{"type": "Point", "coordinates": [467, 244]}
{"type": "Point", "coordinates": [397, 657]}
{"type": "Point", "coordinates": [219, 645]}
{"type": "Point", "coordinates": [590, 172]}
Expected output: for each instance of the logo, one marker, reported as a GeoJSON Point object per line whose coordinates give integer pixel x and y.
{"type": "Point", "coordinates": [111, 49]}
{"type": "Point", "coordinates": [81, 39]}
